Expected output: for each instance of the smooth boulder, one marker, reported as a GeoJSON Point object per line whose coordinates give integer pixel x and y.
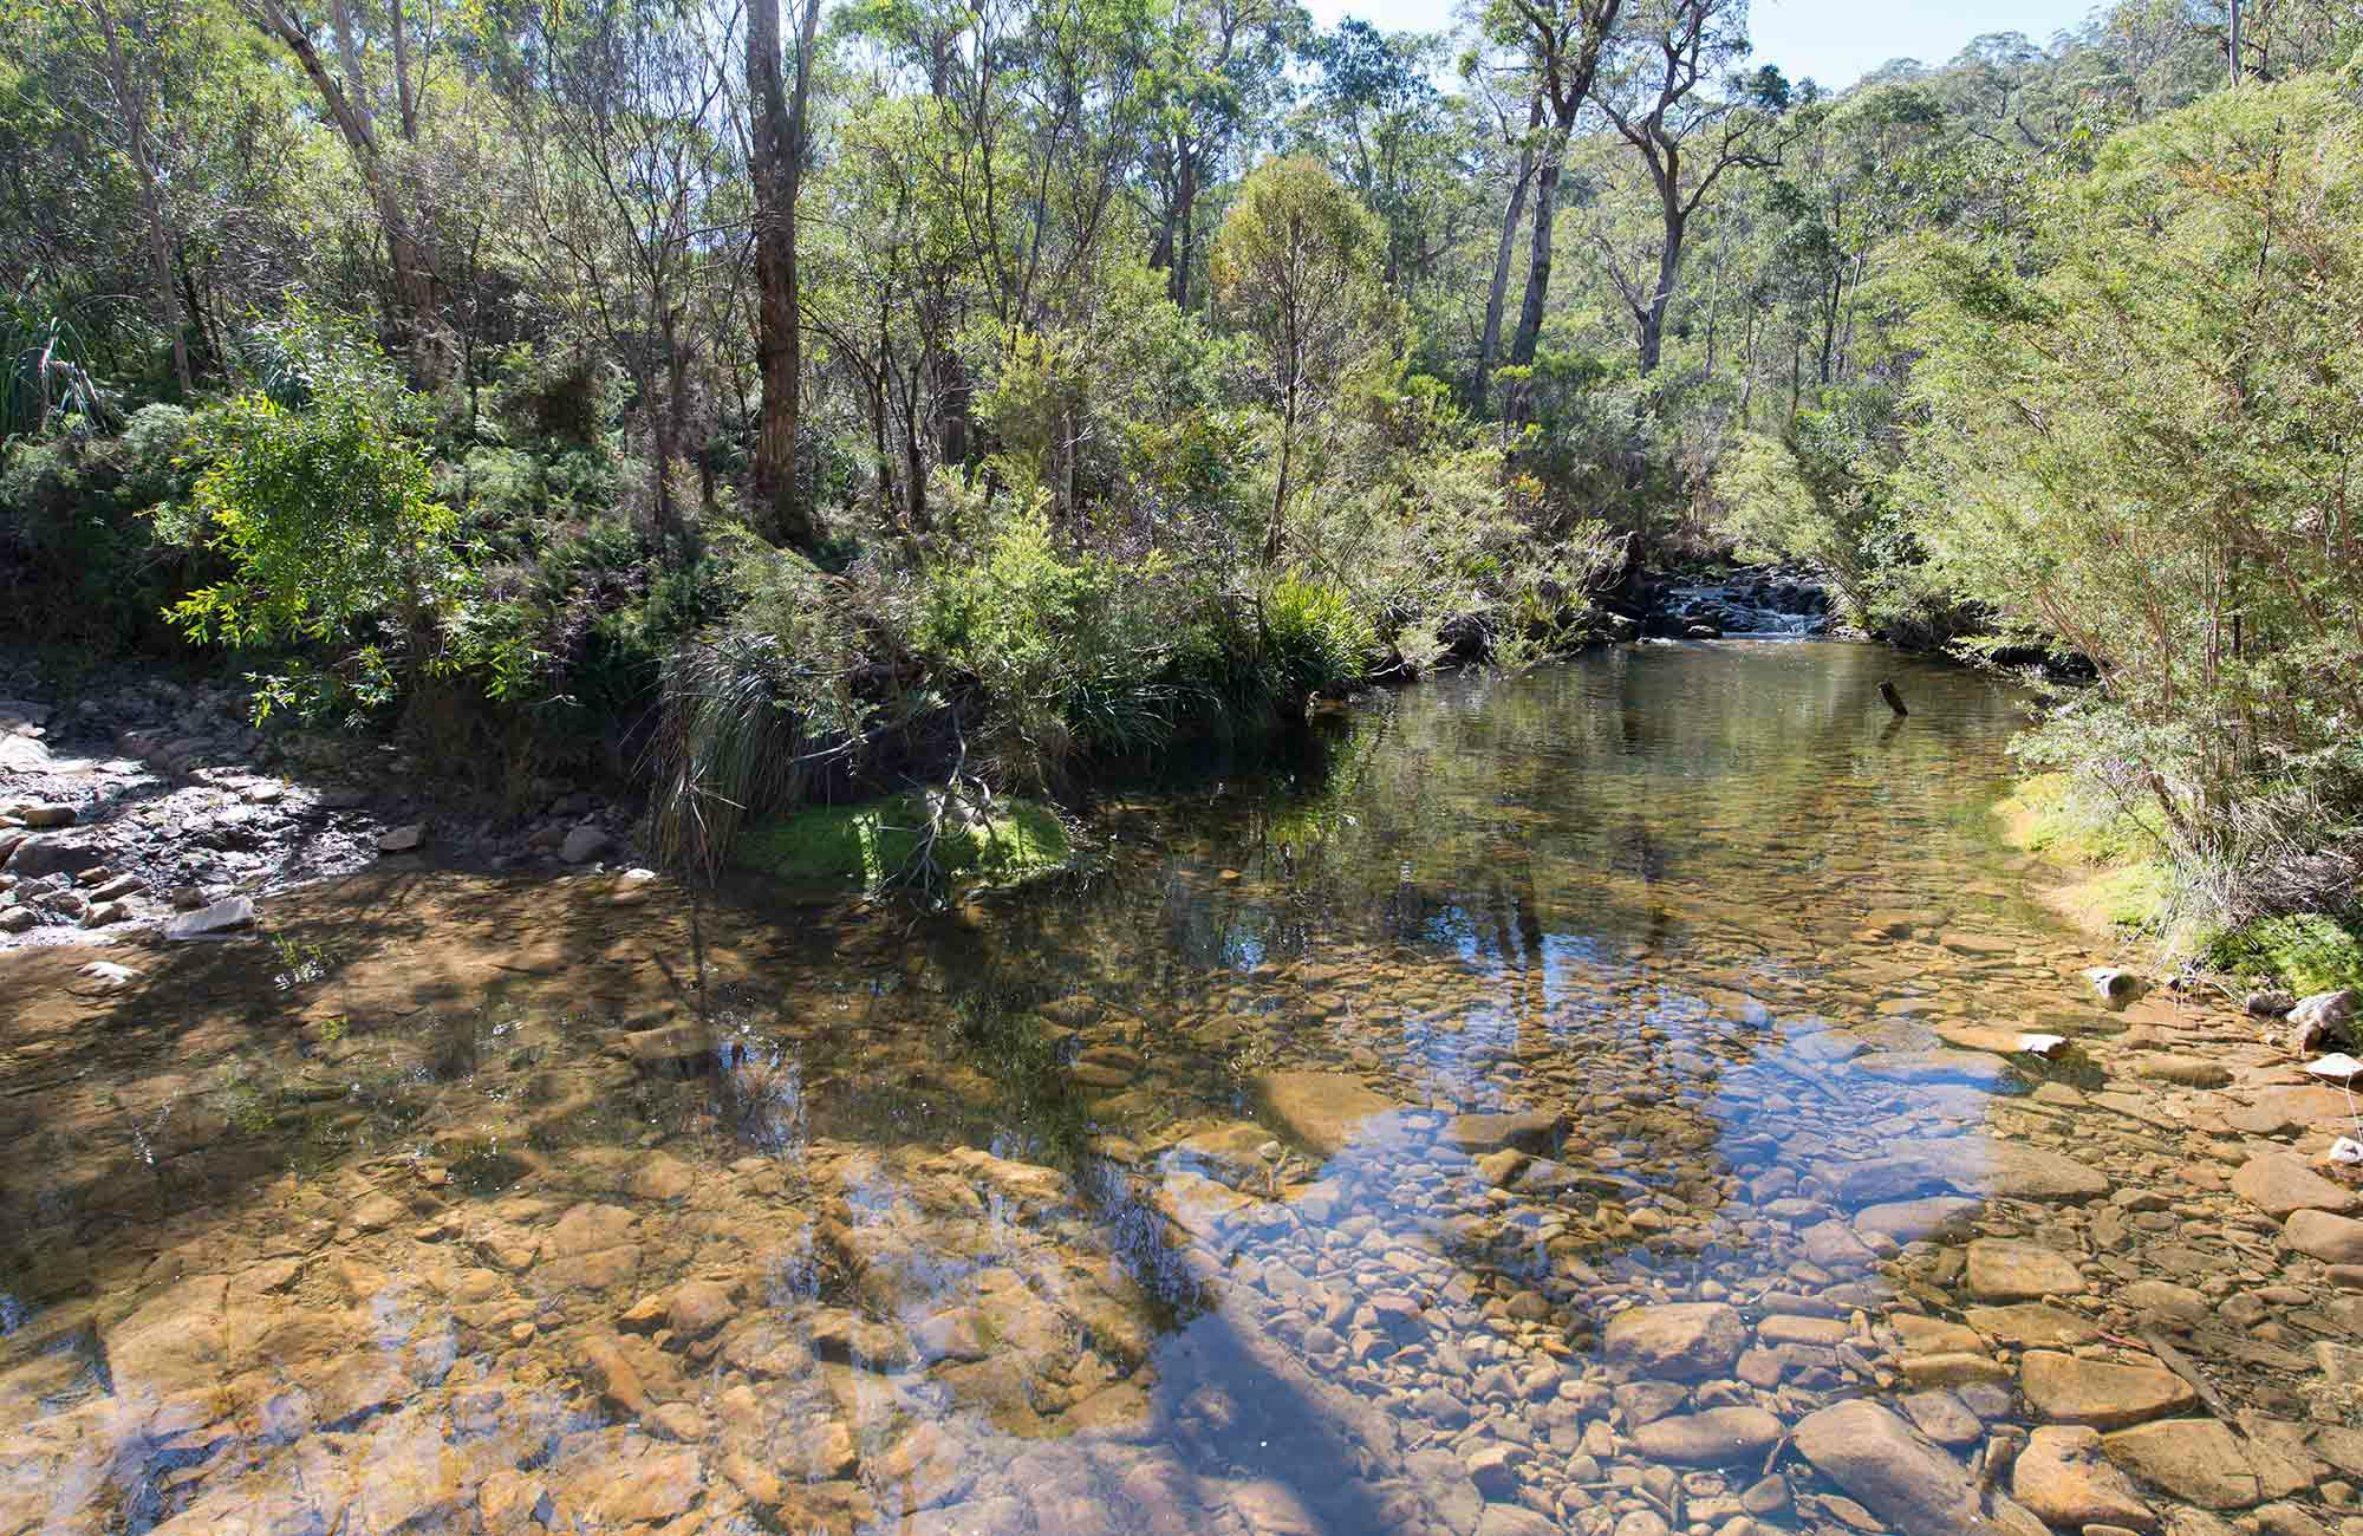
{"type": "Point", "coordinates": [1899, 1477]}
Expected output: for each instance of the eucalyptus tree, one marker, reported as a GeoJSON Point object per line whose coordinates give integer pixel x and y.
{"type": "Point", "coordinates": [635, 193]}
{"type": "Point", "coordinates": [1564, 41]}
{"type": "Point", "coordinates": [1215, 83]}
{"type": "Point", "coordinates": [779, 112]}
{"type": "Point", "coordinates": [345, 96]}
{"type": "Point", "coordinates": [1296, 268]}
{"type": "Point", "coordinates": [1670, 96]}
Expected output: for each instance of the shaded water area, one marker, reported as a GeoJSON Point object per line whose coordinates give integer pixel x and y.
{"type": "Point", "coordinates": [1534, 1119]}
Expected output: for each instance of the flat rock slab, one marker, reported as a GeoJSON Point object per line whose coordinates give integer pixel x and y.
{"type": "Point", "coordinates": [1680, 1342]}
{"type": "Point", "coordinates": [1533, 1130]}
{"type": "Point", "coordinates": [1905, 1221]}
{"type": "Point", "coordinates": [2032, 1325]}
{"type": "Point", "coordinates": [1898, 1476]}
{"type": "Point", "coordinates": [2033, 1173]}
{"type": "Point", "coordinates": [1321, 1111]}
{"type": "Point", "coordinates": [2331, 1238]}
{"type": "Point", "coordinates": [2280, 1184]}
{"type": "Point", "coordinates": [1716, 1437]}
{"type": "Point", "coordinates": [2063, 1476]}
{"type": "Point", "coordinates": [2068, 1389]}
{"type": "Point", "coordinates": [2199, 1461]}
{"type": "Point", "coordinates": [2003, 1270]}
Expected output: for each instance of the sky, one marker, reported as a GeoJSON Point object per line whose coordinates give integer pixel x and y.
{"type": "Point", "coordinates": [1834, 41]}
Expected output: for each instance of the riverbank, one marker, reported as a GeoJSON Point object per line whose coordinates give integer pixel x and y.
{"type": "Point", "coordinates": [1598, 1107]}
{"type": "Point", "coordinates": [143, 794]}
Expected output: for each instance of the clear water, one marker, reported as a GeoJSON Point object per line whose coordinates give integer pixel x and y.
{"type": "Point", "coordinates": [1149, 1199]}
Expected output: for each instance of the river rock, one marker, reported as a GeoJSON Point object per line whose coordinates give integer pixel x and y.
{"type": "Point", "coordinates": [2331, 1238]}
{"type": "Point", "coordinates": [2199, 1461]}
{"type": "Point", "coordinates": [1682, 1341]}
{"type": "Point", "coordinates": [583, 844]}
{"type": "Point", "coordinates": [1904, 1221]}
{"type": "Point", "coordinates": [404, 839]}
{"type": "Point", "coordinates": [2182, 1071]}
{"type": "Point", "coordinates": [2069, 1389]}
{"type": "Point", "coordinates": [2116, 990]}
{"type": "Point", "coordinates": [2063, 1476]}
{"type": "Point", "coordinates": [2164, 1301]}
{"type": "Point", "coordinates": [1321, 1111]}
{"type": "Point", "coordinates": [2280, 1184]}
{"type": "Point", "coordinates": [224, 916]}
{"type": "Point", "coordinates": [1716, 1437]}
{"type": "Point", "coordinates": [2021, 1172]}
{"type": "Point", "coordinates": [2324, 1019]}
{"type": "Point", "coordinates": [1901, 1478]}
{"type": "Point", "coordinates": [1533, 1130]}
{"type": "Point", "coordinates": [174, 1343]}
{"type": "Point", "coordinates": [2003, 1270]}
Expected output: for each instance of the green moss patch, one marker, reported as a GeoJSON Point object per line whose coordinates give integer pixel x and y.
{"type": "Point", "coordinates": [2311, 952]}
{"type": "Point", "coordinates": [877, 843]}
{"type": "Point", "coordinates": [2115, 873]}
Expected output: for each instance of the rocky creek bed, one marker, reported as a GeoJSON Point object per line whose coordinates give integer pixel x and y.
{"type": "Point", "coordinates": [1590, 1105]}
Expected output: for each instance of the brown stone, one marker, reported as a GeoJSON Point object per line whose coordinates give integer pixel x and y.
{"type": "Point", "coordinates": [2199, 1461]}
{"type": "Point", "coordinates": [2071, 1390]}
{"type": "Point", "coordinates": [1682, 1342]}
{"type": "Point", "coordinates": [2004, 1270]}
{"type": "Point", "coordinates": [2279, 1184]}
{"type": "Point", "coordinates": [2063, 1476]}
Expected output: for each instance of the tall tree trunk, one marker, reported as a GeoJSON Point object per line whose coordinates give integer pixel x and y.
{"type": "Point", "coordinates": [1277, 531]}
{"type": "Point", "coordinates": [779, 115]}
{"type": "Point", "coordinates": [404, 100]}
{"type": "Point", "coordinates": [1669, 268]}
{"type": "Point", "coordinates": [1504, 254]}
{"type": "Point", "coordinates": [1538, 267]}
{"type": "Point", "coordinates": [415, 300]}
{"type": "Point", "coordinates": [133, 105]}
{"type": "Point", "coordinates": [1185, 221]}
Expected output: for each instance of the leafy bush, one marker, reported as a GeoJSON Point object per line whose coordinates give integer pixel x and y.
{"type": "Point", "coordinates": [79, 559]}
{"type": "Point", "coordinates": [1316, 639]}
{"type": "Point", "coordinates": [327, 516]}
{"type": "Point", "coordinates": [1068, 650]}
{"type": "Point", "coordinates": [2145, 449]}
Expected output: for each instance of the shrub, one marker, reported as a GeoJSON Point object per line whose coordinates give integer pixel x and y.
{"type": "Point", "coordinates": [1316, 639]}
{"type": "Point", "coordinates": [2145, 449]}
{"type": "Point", "coordinates": [1068, 651]}
{"type": "Point", "coordinates": [325, 511]}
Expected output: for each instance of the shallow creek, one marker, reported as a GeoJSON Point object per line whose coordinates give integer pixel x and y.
{"type": "Point", "coordinates": [1579, 1104]}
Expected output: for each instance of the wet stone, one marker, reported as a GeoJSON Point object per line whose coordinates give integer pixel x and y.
{"type": "Point", "coordinates": [2072, 1390]}
{"type": "Point", "coordinates": [1681, 1342]}
{"type": "Point", "coordinates": [2063, 1476]}
{"type": "Point", "coordinates": [1898, 1476]}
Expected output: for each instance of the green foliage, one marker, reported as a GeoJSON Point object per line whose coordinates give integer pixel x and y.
{"type": "Point", "coordinates": [2142, 448]}
{"type": "Point", "coordinates": [79, 557]}
{"type": "Point", "coordinates": [1067, 649]}
{"type": "Point", "coordinates": [2307, 952]}
{"type": "Point", "coordinates": [1317, 640]}
{"type": "Point", "coordinates": [1819, 495]}
{"type": "Point", "coordinates": [326, 514]}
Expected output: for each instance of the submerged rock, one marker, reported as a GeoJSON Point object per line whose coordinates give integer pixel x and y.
{"type": "Point", "coordinates": [1681, 1341]}
{"type": "Point", "coordinates": [1899, 1477]}
{"type": "Point", "coordinates": [2072, 1390]}
{"type": "Point", "coordinates": [1321, 1111]}
{"type": "Point", "coordinates": [2063, 1476]}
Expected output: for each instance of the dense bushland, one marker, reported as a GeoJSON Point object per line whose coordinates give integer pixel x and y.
{"type": "Point", "coordinates": [809, 404]}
